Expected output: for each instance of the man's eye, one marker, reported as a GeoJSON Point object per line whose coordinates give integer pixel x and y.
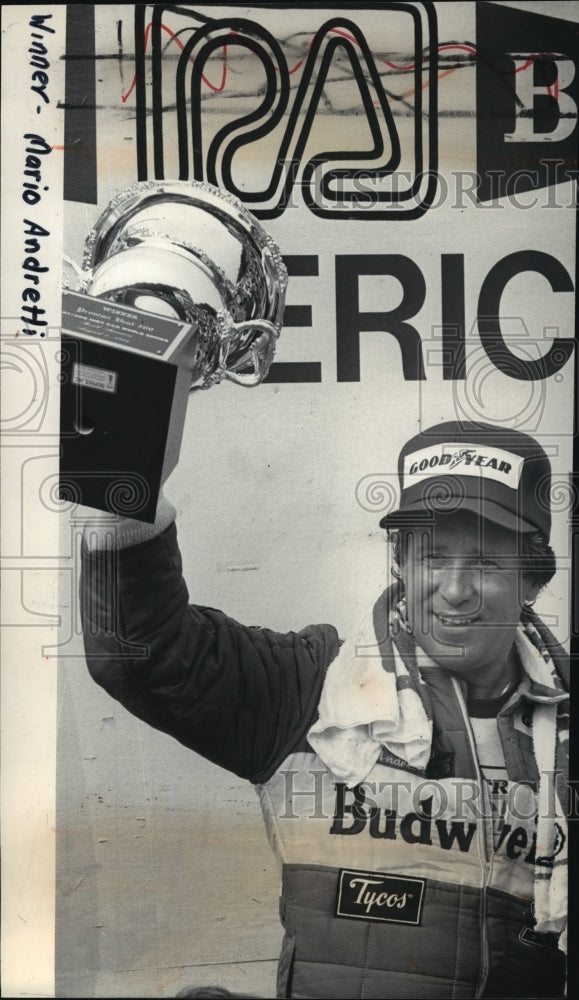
{"type": "Point", "coordinates": [487, 563]}
{"type": "Point", "coordinates": [479, 562]}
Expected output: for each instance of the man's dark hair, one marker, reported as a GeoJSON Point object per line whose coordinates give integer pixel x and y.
{"type": "Point", "coordinates": [541, 558]}
{"type": "Point", "coordinates": [538, 561]}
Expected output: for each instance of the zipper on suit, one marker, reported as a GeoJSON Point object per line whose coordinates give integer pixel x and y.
{"type": "Point", "coordinates": [485, 839]}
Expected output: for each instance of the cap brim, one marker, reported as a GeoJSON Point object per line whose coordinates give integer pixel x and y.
{"type": "Point", "coordinates": [417, 514]}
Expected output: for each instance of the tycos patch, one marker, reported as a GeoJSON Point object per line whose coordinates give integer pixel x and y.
{"type": "Point", "coordinates": [380, 896]}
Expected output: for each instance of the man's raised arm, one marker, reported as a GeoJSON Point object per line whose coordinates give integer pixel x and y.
{"type": "Point", "coordinates": [241, 696]}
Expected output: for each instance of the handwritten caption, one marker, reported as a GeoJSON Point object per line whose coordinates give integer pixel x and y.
{"type": "Point", "coordinates": [35, 151]}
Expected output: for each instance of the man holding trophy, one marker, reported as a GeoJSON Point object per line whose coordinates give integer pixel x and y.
{"type": "Point", "coordinates": [414, 797]}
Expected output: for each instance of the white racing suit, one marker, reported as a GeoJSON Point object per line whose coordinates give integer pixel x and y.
{"type": "Point", "coordinates": [401, 886]}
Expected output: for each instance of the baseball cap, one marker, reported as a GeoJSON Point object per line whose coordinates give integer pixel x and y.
{"type": "Point", "coordinates": [500, 474]}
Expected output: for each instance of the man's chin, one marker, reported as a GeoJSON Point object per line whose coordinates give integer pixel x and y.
{"type": "Point", "coordinates": [458, 657]}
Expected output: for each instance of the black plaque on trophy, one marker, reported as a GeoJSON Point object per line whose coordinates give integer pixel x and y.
{"type": "Point", "coordinates": [125, 379]}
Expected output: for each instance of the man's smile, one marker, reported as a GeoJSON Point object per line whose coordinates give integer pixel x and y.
{"type": "Point", "coordinates": [456, 621]}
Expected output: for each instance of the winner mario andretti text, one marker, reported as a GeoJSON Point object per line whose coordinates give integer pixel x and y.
{"type": "Point", "coordinates": [33, 313]}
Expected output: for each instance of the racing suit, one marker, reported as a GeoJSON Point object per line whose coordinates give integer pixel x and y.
{"type": "Point", "coordinates": [389, 888]}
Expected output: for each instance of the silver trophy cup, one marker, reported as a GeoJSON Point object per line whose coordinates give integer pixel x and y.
{"type": "Point", "coordinates": [180, 288]}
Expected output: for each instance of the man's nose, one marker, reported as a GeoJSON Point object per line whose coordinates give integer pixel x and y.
{"type": "Point", "coordinates": [456, 583]}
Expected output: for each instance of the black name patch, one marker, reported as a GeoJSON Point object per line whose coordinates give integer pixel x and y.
{"type": "Point", "coordinates": [380, 896]}
{"type": "Point", "coordinates": [543, 940]}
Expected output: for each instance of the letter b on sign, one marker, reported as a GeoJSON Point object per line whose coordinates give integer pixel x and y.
{"type": "Point", "coordinates": [526, 81]}
{"type": "Point", "coordinates": [545, 110]}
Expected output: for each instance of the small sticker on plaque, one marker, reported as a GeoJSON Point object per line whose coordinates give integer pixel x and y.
{"type": "Point", "coordinates": [94, 378]}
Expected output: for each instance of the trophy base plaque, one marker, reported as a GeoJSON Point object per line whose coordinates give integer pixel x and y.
{"type": "Point", "coordinates": [124, 385]}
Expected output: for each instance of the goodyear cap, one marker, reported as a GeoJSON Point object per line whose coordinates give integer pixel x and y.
{"type": "Point", "coordinates": [500, 474]}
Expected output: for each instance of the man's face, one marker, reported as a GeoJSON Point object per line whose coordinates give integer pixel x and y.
{"type": "Point", "coordinates": [464, 594]}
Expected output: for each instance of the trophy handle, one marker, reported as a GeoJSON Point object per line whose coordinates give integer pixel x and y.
{"type": "Point", "coordinates": [258, 355]}
{"type": "Point", "coordinates": [72, 268]}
